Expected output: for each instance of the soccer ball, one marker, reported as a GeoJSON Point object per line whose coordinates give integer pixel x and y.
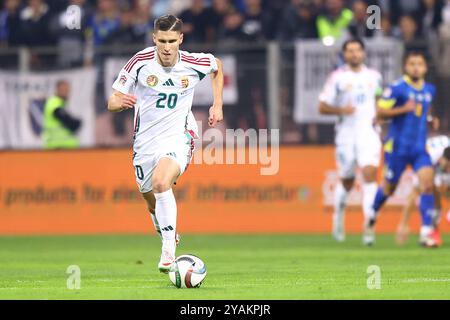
{"type": "Point", "coordinates": [187, 271]}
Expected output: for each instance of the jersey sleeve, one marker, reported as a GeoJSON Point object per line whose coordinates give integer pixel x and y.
{"type": "Point", "coordinates": [328, 94]}
{"type": "Point", "coordinates": [205, 63]}
{"type": "Point", "coordinates": [432, 90]}
{"type": "Point", "coordinates": [379, 84]}
{"type": "Point", "coordinates": [213, 63]}
{"type": "Point", "coordinates": [124, 83]}
{"type": "Point", "coordinates": [391, 97]}
{"type": "Point", "coordinates": [126, 80]}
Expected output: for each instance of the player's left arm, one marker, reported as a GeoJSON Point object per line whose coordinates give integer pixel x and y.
{"type": "Point", "coordinates": [433, 119]}
{"type": "Point", "coordinates": [216, 112]}
{"type": "Point", "coordinates": [394, 103]}
{"type": "Point", "coordinates": [378, 96]}
{"type": "Point", "coordinates": [431, 115]}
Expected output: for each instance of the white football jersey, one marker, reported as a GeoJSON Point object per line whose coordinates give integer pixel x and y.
{"type": "Point", "coordinates": [359, 89]}
{"type": "Point", "coordinates": [436, 146]}
{"type": "Point", "coordinates": [164, 95]}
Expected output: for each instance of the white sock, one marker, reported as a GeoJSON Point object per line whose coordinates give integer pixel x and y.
{"type": "Point", "coordinates": [369, 192]}
{"type": "Point", "coordinates": [340, 199]}
{"type": "Point", "coordinates": [425, 231]}
{"type": "Point", "coordinates": [166, 214]}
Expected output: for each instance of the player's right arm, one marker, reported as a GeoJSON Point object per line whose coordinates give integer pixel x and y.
{"type": "Point", "coordinates": [338, 111]}
{"type": "Point", "coordinates": [119, 101]}
{"type": "Point", "coordinates": [390, 105]}
{"type": "Point", "coordinates": [328, 97]}
{"type": "Point", "coordinates": [121, 97]}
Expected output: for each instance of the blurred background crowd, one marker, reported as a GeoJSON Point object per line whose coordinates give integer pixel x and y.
{"type": "Point", "coordinates": [112, 27]}
{"type": "Point", "coordinates": [42, 22]}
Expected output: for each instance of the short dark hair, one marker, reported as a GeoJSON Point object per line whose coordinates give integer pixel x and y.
{"type": "Point", "coordinates": [414, 53]}
{"type": "Point", "coordinates": [353, 40]}
{"type": "Point", "coordinates": [447, 153]}
{"type": "Point", "coordinates": [168, 22]}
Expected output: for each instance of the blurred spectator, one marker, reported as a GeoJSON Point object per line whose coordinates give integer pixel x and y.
{"type": "Point", "coordinates": [175, 7]}
{"type": "Point", "coordinates": [160, 7]}
{"type": "Point", "coordinates": [256, 23]}
{"type": "Point", "coordinates": [399, 8]}
{"type": "Point", "coordinates": [446, 13]}
{"type": "Point", "coordinates": [358, 27]}
{"type": "Point", "coordinates": [59, 127]}
{"type": "Point", "coordinates": [333, 22]}
{"type": "Point", "coordinates": [204, 20]}
{"type": "Point", "coordinates": [247, 27]}
{"type": "Point", "coordinates": [250, 26]}
{"type": "Point", "coordinates": [407, 28]}
{"type": "Point", "coordinates": [10, 24]}
{"type": "Point", "coordinates": [126, 33]}
{"type": "Point", "coordinates": [444, 30]}
{"type": "Point", "coordinates": [386, 28]}
{"type": "Point", "coordinates": [143, 20]}
{"type": "Point", "coordinates": [69, 28]}
{"type": "Point", "coordinates": [35, 21]}
{"type": "Point", "coordinates": [104, 22]}
{"type": "Point", "coordinates": [274, 10]}
{"type": "Point", "coordinates": [239, 5]}
{"type": "Point", "coordinates": [444, 34]}
{"type": "Point", "coordinates": [298, 21]}
{"type": "Point", "coordinates": [195, 21]}
{"type": "Point", "coordinates": [56, 6]}
{"type": "Point", "coordinates": [408, 32]}
{"type": "Point", "coordinates": [409, 6]}
{"type": "Point", "coordinates": [231, 29]}
{"type": "Point", "coordinates": [430, 16]}
{"type": "Point", "coordinates": [216, 16]}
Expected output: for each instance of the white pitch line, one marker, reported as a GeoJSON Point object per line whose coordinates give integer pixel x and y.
{"type": "Point", "coordinates": [419, 280]}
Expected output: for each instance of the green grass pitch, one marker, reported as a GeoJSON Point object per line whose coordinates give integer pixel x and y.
{"type": "Point", "coordinates": [239, 267]}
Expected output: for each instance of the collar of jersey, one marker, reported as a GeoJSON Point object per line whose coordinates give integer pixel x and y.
{"type": "Point", "coordinates": [412, 84]}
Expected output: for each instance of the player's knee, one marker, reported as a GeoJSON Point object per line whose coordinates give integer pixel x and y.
{"type": "Point", "coordinates": [160, 185]}
{"type": "Point", "coordinates": [369, 174]}
{"type": "Point", "coordinates": [370, 177]}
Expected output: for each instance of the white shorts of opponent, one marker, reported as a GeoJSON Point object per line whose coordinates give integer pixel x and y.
{"type": "Point", "coordinates": [359, 151]}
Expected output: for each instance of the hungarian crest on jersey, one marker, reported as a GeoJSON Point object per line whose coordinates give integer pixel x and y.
{"type": "Point", "coordinates": [185, 82]}
{"type": "Point", "coordinates": [152, 80]}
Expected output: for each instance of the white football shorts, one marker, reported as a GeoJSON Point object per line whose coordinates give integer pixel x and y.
{"type": "Point", "coordinates": [144, 164]}
{"type": "Point", "coordinates": [364, 150]}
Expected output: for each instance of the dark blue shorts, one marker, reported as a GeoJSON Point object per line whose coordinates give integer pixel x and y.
{"type": "Point", "coordinates": [395, 164]}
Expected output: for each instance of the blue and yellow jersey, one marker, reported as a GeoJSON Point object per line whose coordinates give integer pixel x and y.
{"type": "Point", "coordinates": [407, 132]}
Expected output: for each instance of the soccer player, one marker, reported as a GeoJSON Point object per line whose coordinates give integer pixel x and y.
{"type": "Point", "coordinates": [407, 103]}
{"type": "Point", "coordinates": [439, 149]}
{"type": "Point", "coordinates": [158, 82]}
{"type": "Point", "coordinates": [350, 93]}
